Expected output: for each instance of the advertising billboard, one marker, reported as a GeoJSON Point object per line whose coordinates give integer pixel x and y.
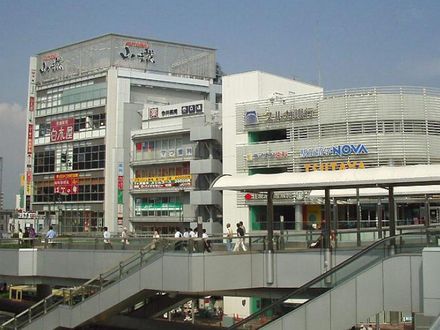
{"type": "Point", "coordinates": [61, 130]}
{"type": "Point", "coordinates": [66, 183]}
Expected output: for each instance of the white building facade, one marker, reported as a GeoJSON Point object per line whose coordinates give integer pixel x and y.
{"type": "Point", "coordinates": [84, 101]}
{"type": "Point", "coordinates": [175, 157]}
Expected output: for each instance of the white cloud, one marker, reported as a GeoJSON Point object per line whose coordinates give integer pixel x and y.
{"type": "Point", "coordinates": [12, 149]}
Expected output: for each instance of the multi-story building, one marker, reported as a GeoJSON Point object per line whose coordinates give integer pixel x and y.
{"type": "Point", "coordinates": [1, 183]}
{"type": "Point", "coordinates": [84, 100]}
{"type": "Point", "coordinates": [175, 157]}
{"type": "Point", "coordinates": [326, 131]}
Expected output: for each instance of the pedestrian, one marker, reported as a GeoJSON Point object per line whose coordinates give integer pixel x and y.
{"type": "Point", "coordinates": [186, 237]}
{"type": "Point", "coordinates": [107, 243]}
{"type": "Point", "coordinates": [192, 236]}
{"type": "Point", "coordinates": [124, 238]}
{"type": "Point", "coordinates": [229, 235]}
{"type": "Point", "coordinates": [20, 237]}
{"type": "Point", "coordinates": [193, 233]}
{"type": "Point", "coordinates": [243, 227]}
{"type": "Point", "coordinates": [206, 241]}
{"type": "Point", "coordinates": [178, 236]}
{"type": "Point", "coordinates": [50, 236]}
{"type": "Point", "coordinates": [32, 235]}
{"type": "Point", "coordinates": [240, 240]}
{"type": "Point", "coordinates": [156, 237]}
{"type": "Point", "coordinates": [26, 237]}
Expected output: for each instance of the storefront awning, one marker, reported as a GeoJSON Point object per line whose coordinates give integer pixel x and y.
{"type": "Point", "coordinates": [414, 175]}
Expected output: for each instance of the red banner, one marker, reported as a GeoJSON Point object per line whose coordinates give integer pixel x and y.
{"type": "Point", "coordinates": [66, 183]}
{"type": "Point", "coordinates": [30, 140]}
{"type": "Point", "coordinates": [31, 103]}
{"type": "Point", "coordinates": [120, 182]}
{"type": "Point", "coordinates": [61, 130]}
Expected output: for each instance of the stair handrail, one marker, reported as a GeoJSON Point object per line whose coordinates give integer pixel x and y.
{"type": "Point", "coordinates": [326, 275]}
{"type": "Point", "coordinates": [50, 302]}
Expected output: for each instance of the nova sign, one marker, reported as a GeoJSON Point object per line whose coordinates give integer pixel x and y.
{"type": "Point", "coordinates": [339, 150]}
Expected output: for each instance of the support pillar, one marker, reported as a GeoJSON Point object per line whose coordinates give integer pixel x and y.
{"type": "Point", "coordinates": [427, 212]}
{"type": "Point", "coordinates": [379, 212]}
{"type": "Point", "coordinates": [269, 216]}
{"type": "Point", "coordinates": [392, 210]}
{"type": "Point", "coordinates": [335, 216]}
{"type": "Point", "coordinates": [298, 217]}
{"type": "Point", "coordinates": [269, 252]}
{"type": "Point", "coordinates": [325, 231]}
{"type": "Point", "coordinates": [358, 218]}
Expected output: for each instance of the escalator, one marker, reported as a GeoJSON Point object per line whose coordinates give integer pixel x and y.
{"type": "Point", "coordinates": [87, 296]}
{"type": "Point", "coordinates": [271, 316]}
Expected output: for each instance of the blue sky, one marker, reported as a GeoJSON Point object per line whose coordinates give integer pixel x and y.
{"type": "Point", "coordinates": [350, 43]}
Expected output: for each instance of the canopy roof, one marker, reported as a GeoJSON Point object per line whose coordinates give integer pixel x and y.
{"type": "Point", "coordinates": [378, 192]}
{"type": "Point", "coordinates": [353, 178]}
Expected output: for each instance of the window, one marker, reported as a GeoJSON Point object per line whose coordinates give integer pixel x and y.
{"type": "Point", "coordinates": [44, 161]}
{"type": "Point", "coordinates": [80, 123]}
{"type": "Point", "coordinates": [98, 120]}
{"type": "Point", "coordinates": [88, 157]}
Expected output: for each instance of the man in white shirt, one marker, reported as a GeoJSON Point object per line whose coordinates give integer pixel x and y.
{"type": "Point", "coordinates": [178, 235]}
{"type": "Point", "coordinates": [107, 242]}
{"type": "Point", "coordinates": [229, 235]}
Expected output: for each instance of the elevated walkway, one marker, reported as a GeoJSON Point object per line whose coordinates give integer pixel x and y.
{"type": "Point", "coordinates": [151, 271]}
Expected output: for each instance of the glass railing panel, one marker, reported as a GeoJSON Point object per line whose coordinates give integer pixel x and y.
{"type": "Point", "coordinates": [406, 243]}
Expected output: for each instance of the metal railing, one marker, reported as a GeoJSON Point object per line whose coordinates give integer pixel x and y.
{"type": "Point", "coordinates": [155, 248]}
{"type": "Point", "coordinates": [284, 239]}
{"type": "Point", "coordinates": [379, 250]}
{"type": "Point", "coordinates": [73, 296]}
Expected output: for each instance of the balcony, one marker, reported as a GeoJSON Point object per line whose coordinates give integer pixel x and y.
{"type": "Point", "coordinates": [205, 197]}
{"type": "Point", "coordinates": [202, 133]}
{"type": "Point", "coordinates": [203, 166]}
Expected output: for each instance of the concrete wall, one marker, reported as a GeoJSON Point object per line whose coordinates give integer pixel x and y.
{"type": "Point", "coordinates": [200, 272]}
{"type": "Point", "coordinates": [76, 264]}
{"type": "Point", "coordinates": [431, 287]}
{"type": "Point", "coordinates": [393, 285]}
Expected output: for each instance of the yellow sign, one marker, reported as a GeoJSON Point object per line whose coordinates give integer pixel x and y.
{"type": "Point", "coordinates": [162, 181]}
{"type": "Point", "coordinates": [29, 189]}
{"type": "Point", "coordinates": [333, 166]}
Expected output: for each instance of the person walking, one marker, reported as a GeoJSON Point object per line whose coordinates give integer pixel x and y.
{"type": "Point", "coordinates": [32, 235]}
{"type": "Point", "coordinates": [229, 235]}
{"type": "Point", "coordinates": [178, 236]}
{"type": "Point", "coordinates": [26, 236]}
{"type": "Point", "coordinates": [124, 238]}
{"type": "Point", "coordinates": [206, 241]}
{"type": "Point", "coordinates": [20, 237]}
{"type": "Point", "coordinates": [156, 237]}
{"type": "Point", "coordinates": [240, 241]}
{"type": "Point", "coordinates": [50, 236]}
{"type": "Point", "coordinates": [107, 243]}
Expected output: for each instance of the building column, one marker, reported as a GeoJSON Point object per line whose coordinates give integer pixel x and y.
{"type": "Point", "coordinates": [298, 217]}
{"type": "Point", "coordinates": [269, 216]}
{"type": "Point", "coordinates": [392, 210]}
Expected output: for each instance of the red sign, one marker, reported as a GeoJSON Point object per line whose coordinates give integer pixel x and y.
{"type": "Point", "coordinates": [30, 140]}
{"type": "Point", "coordinates": [120, 182]}
{"type": "Point", "coordinates": [31, 103]}
{"type": "Point", "coordinates": [29, 176]}
{"type": "Point", "coordinates": [52, 56]}
{"type": "Point", "coordinates": [66, 183]}
{"type": "Point", "coordinates": [138, 44]}
{"type": "Point", "coordinates": [61, 130]}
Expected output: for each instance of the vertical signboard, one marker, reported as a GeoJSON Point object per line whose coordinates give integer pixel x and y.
{"type": "Point", "coordinates": [30, 134]}
{"type": "Point", "coordinates": [120, 188]}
